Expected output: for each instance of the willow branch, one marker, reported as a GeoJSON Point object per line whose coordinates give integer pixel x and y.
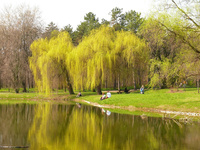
{"type": "Point", "coordinates": [187, 16]}
{"type": "Point", "coordinates": [182, 38]}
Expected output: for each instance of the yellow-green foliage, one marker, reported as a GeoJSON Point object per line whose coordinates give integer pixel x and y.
{"type": "Point", "coordinates": [105, 50]}
{"type": "Point", "coordinates": [188, 64]}
{"type": "Point", "coordinates": [50, 59]}
{"type": "Point", "coordinates": [78, 133]}
{"type": "Point", "coordinates": [129, 46]}
{"type": "Point", "coordinates": [130, 53]}
{"type": "Point", "coordinates": [39, 49]}
{"type": "Point", "coordinates": [92, 58]}
{"type": "Point", "coordinates": [164, 70]}
{"type": "Point", "coordinates": [89, 64]}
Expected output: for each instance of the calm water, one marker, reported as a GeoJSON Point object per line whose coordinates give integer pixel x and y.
{"type": "Point", "coordinates": [71, 127]}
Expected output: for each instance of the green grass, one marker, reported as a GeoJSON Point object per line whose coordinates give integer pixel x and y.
{"type": "Point", "coordinates": [164, 99]}
{"type": "Point", "coordinates": [19, 95]}
{"type": "Point", "coordinates": [188, 100]}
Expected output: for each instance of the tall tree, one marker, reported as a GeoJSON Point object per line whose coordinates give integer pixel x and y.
{"type": "Point", "coordinates": [184, 23]}
{"type": "Point", "coordinates": [69, 29]}
{"type": "Point", "coordinates": [177, 29]}
{"type": "Point", "coordinates": [133, 21]}
{"type": "Point", "coordinates": [90, 22]}
{"type": "Point", "coordinates": [164, 48]}
{"type": "Point", "coordinates": [20, 27]}
{"type": "Point", "coordinates": [2, 55]}
{"type": "Point", "coordinates": [117, 19]}
{"type": "Point", "coordinates": [50, 61]}
{"type": "Point", "coordinates": [131, 56]}
{"type": "Point", "coordinates": [105, 22]}
{"type": "Point", "coordinates": [49, 29]}
{"type": "Point", "coordinates": [93, 58]}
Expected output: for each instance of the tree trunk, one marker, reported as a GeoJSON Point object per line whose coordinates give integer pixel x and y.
{"type": "Point", "coordinates": [70, 89]}
{"type": "Point", "coordinates": [135, 87]}
{"type": "Point", "coordinates": [28, 82]}
{"type": "Point", "coordinates": [134, 82]}
{"type": "Point", "coordinates": [69, 85]}
{"type": "Point", "coordinates": [177, 85]}
{"type": "Point", "coordinates": [99, 92]}
{"type": "Point", "coordinates": [16, 90]}
{"type": "Point", "coordinates": [115, 82]}
{"type": "Point", "coordinates": [198, 84]}
{"type": "Point", "coordinates": [16, 82]}
{"type": "Point", "coordinates": [65, 89]}
{"type": "Point", "coordinates": [118, 82]}
{"type": "Point", "coordinates": [24, 86]}
{"type": "Point", "coordinates": [106, 84]}
{"type": "Point", "coordinates": [140, 78]}
{"type": "Point", "coordinates": [0, 83]}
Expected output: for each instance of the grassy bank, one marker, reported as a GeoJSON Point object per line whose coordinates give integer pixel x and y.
{"type": "Point", "coordinates": [32, 97]}
{"type": "Point", "coordinates": [172, 100]}
{"type": "Point", "coordinates": [186, 101]}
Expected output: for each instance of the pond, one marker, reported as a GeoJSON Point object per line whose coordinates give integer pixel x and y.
{"type": "Point", "coordinates": [81, 127]}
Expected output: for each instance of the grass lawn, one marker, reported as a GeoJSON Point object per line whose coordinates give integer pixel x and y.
{"type": "Point", "coordinates": [188, 101]}
{"type": "Point", "coordinates": [165, 99]}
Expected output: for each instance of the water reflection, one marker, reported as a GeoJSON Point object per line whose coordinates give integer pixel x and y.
{"type": "Point", "coordinates": [15, 121]}
{"type": "Point", "coordinates": [80, 127]}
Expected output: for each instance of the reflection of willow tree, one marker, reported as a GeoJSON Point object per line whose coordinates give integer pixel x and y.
{"type": "Point", "coordinates": [76, 130]}
{"type": "Point", "coordinates": [68, 127]}
{"type": "Point", "coordinates": [47, 123]}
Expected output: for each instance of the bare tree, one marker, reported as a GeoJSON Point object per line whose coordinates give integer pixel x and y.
{"type": "Point", "coordinates": [19, 28]}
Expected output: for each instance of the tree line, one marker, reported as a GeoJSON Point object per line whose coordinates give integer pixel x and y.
{"type": "Point", "coordinates": [160, 51]}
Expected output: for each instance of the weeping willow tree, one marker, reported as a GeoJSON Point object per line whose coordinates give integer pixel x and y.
{"type": "Point", "coordinates": [50, 60]}
{"type": "Point", "coordinates": [105, 54]}
{"type": "Point", "coordinates": [130, 57]}
{"type": "Point", "coordinates": [93, 59]}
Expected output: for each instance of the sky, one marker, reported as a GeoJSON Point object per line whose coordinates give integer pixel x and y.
{"type": "Point", "coordinates": [64, 12]}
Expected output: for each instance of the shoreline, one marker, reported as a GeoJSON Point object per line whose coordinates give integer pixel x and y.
{"type": "Point", "coordinates": [183, 103]}
{"type": "Point", "coordinates": [132, 108]}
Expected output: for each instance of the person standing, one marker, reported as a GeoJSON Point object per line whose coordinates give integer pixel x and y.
{"type": "Point", "coordinates": [142, 89]}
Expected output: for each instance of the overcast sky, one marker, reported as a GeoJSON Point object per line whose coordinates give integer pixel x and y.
{"type": "Point", "coordinates": [64, 12]}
